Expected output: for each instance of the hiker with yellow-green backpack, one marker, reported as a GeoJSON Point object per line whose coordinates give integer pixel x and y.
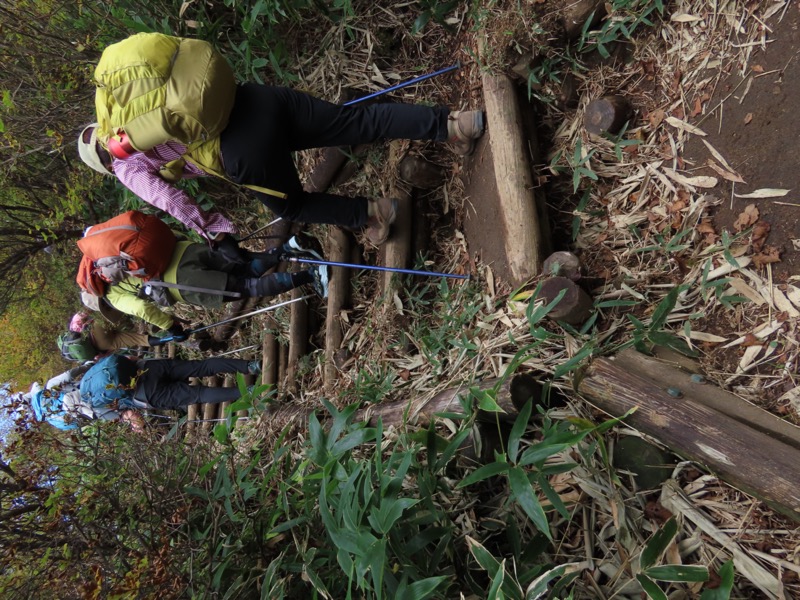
{"type": "Point", "coordinates": [169, 108]}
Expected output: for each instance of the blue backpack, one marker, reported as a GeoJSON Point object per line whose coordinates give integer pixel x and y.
{"type": "Point", "coordinates": [47, 407]}
{"type": "Point", "coordinates": [109, 380]}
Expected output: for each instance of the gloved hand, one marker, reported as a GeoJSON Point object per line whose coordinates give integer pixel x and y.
{"type": "Point", "coordinates": [177, 332]}
{"type": "Point", "coordinates": [228, 247]}
{"type": "Point", "coordinates": [155, 341]}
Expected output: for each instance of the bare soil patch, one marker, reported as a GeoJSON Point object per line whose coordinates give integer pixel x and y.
{"type": "Point", "coordinates": [755, 127]}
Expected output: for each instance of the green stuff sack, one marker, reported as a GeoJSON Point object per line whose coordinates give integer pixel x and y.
{"type": "Point", "coordinates": [76, 346]}
{"type": "Point", "coordinates": [158, 88]}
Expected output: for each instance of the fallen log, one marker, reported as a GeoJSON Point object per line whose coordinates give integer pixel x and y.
{"type": "Point", "coordinates": [578, 12]}
{"type": "Point", "coordinates": [682, 418]}
{"type": "Point", "coordinates": [697, 389]}
{"type": "Point", "coordinates": [511, 396]}
{"type": "Point", "coordinates": [518, 211]}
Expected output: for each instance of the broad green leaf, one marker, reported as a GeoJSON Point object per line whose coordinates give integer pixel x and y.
{"type": "Point", "coordinates": [351, 440]}
{"type": "Point", "coordinates": [391, 509]}
{"type": "Point", "coordinates": [520, 425]}
{"type": "Point", "coordinates": [573, 362]}
{"type": "Point", "coordinates": [315, 580]}
{"type": "Point", "coordinates": [539, 586]}
{"type": "Point", "coordinates": [723, 592]}
{"type": "Point", "coordinates": [540, 452]}
{"type": "Point", "coordinates": [221, 433]}
{"type": "Point", "coordinates": [553, 497]}
{"type": "Point", "coordinates": [451, 448]}
{"type": "Point", "coordinates": [486, 471]}
{"type": "Point", "coordinates": [497, 578]}
{"type": "Point", "coordinates": [664, 308]}
{"type": "Point", "coordinates": [486, 400]}
{"type": "Point", "coordinates": [485, 559]}
{"type": "Point", "coordinates": [316, 436]}
{"type": "Point", "coordinates": [491, 565]}
{"type": "Point", "coordinates": [537, 310]}
{"type": "Point", "coordinates": [524, 494]}
{"type": "Point", "coordinates": [658, 544]}
{"type": "Point", "coordinates": [422, 589]}
{"type": "Point", "coordinates": [678, 573]}
{"type": "Point", "coordinates": [651, 588]}
{"type": "Point", "coordinates": [615, 303]}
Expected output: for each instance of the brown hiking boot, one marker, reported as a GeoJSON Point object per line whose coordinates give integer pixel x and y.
{"type": "Point", "coordinates": [378, 225]}
{"type": "Point", "coordinates": [463, 128]}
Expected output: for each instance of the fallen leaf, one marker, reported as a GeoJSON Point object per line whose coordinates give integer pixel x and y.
{"type": "Point", "coordinates": [796, 244]}
{"type": "Point", "coordinates": [701, 181]}
{"type": "Point", "coordinates": [683, 125]}
{"type": "Point", "coordinates": [684, 18]}
{"type": "Point", "coordinates": [747, 118]}
{"type": "Point", "coordinates": [759, 235]}
{"type": "Point", "coordinates": [677, 206]}
{"type": "Point", "coordinates": [715, 153]}
{"type": "Point", "coordinates": [184, 6]}
{"type": "Point", "coordinates": [705, 227]}
{"type": "Point", "coordinates": [750, 340]}
{"type": "Point", "coordinates": [769, 255]}
{"type": "Point", "coordinates": [757, 69]}
{"type": "Point", "coordinates": [698, 108]}
{"type": "Point", "coordinates": [735, 177]}
{"type": "Point", "coordinates": [656, 511]}
{"type": "Point", "coordinates": [702, 336]}
{"type": "Point", "coordinates": [746, 218]}
{"type": "Point", "coordinates": [764, 193]}
{"type": "Point", "coordinates": [656, 118]}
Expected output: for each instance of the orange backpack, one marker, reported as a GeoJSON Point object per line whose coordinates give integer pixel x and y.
{"type": "Point", "coordinates": [131, 244]}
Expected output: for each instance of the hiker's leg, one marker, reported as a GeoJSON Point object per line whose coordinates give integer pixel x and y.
{"type": "Point", "coordinates": [269, 285]}
{"type": "Point", "coordinates": [275, 170]}
{"type": "Point", "coordinates": [107, 340]}
{"type": "Point", "coordinates": [305, 122]}
{"type": "Point", "coordinates": [177, 394]}
{"type": "Point", "coordinates": [257, 150]}
{"type": "Point", "coordinates": [180, 370]}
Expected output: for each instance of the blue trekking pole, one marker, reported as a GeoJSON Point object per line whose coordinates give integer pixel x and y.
{"type": "Point", "coordinates": [312, 261]}
{"type": "Point", "coordinates": [404, 84]}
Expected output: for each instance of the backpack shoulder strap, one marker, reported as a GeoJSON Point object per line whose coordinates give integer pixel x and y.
{"type": "Point", "coordinates": [191, 288]}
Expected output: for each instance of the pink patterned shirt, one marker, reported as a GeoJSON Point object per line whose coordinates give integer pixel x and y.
{"type": "Point", "coordinates": [140, 174]}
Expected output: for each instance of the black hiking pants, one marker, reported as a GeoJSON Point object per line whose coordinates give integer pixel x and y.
{"type": "Point", "coordinates": [163, 383]}
{"type": "Point", "coordinates": [269, 123]}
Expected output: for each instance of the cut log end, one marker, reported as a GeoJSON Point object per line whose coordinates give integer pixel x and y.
{"type": "Point", "coordinates": [573, 308]}
{"type": "Point", "coordinates": [607, 115]}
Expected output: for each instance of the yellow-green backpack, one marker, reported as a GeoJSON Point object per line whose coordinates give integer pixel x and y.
{"type": "Point", "coordinates": [157, 88]}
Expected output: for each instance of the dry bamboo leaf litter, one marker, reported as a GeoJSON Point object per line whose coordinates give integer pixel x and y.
{"type": "Point", "coordinates": [624, 216]}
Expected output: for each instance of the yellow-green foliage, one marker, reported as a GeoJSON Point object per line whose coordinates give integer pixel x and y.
{"type": "Point", "coordinates": [29, 329]}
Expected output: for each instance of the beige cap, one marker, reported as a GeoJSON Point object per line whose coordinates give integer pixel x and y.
{"type": "Point", "coordinates": [88, 150]}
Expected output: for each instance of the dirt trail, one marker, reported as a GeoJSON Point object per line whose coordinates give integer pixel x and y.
{"type": "Point", "coordinates": [757, 131]}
